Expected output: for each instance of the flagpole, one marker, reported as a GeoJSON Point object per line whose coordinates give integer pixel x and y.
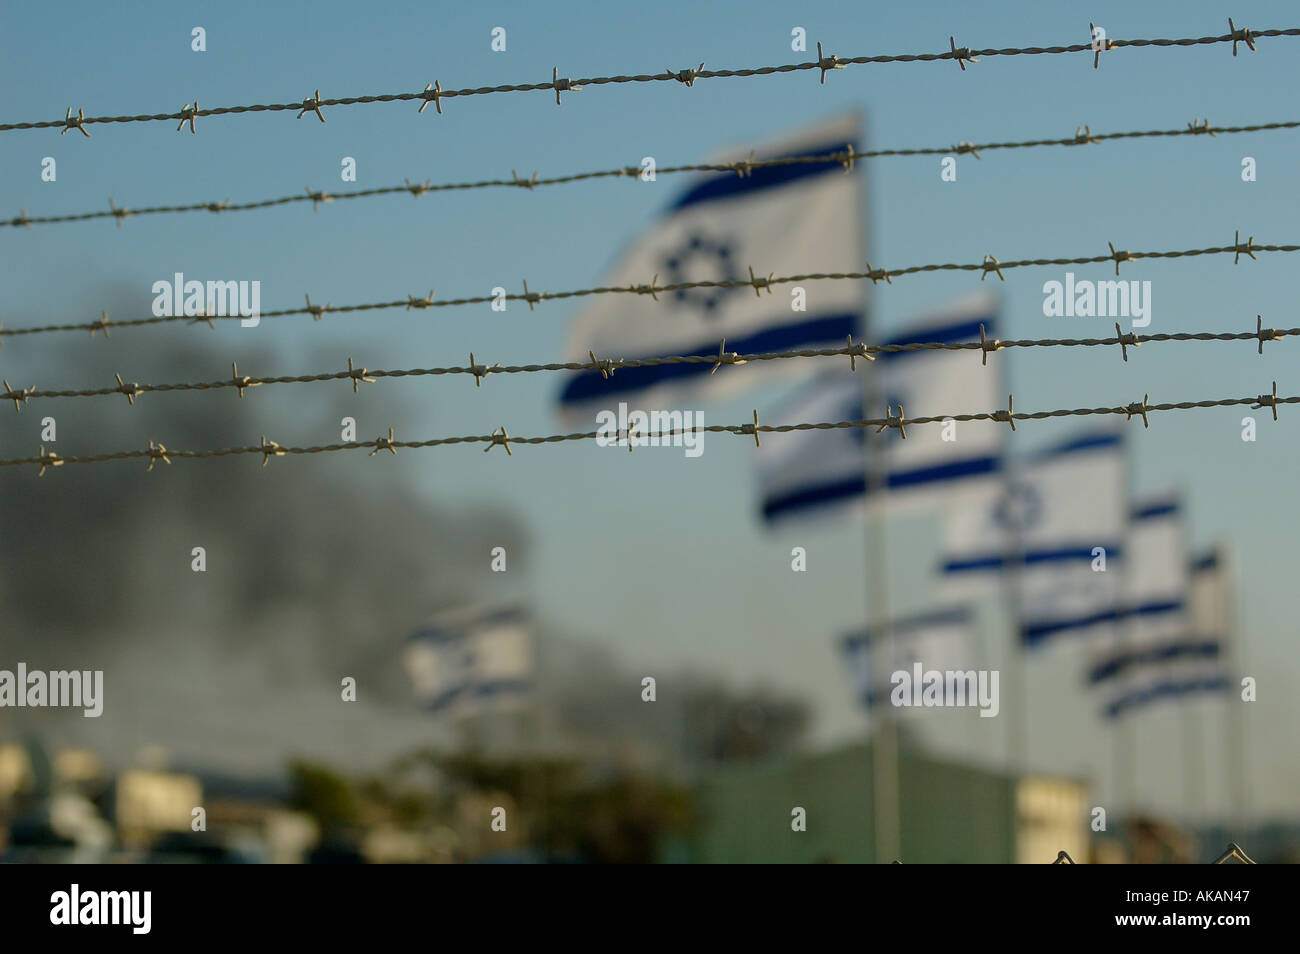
{"type": "Point", "coordinates": [1194, 744]}
{"type": "Point", "coordinates": [886, 800]}
{"type": "Point", "coordinates": [1193, 761]}
{"type": "Point", "coordinates": [884, 739]}
{"type": "Point", "coordinates": [1123, 736]}
{"type": "Point", "coordinates": [1018, 724]}
{"type": "Point", "coordinates": [1236, 736]}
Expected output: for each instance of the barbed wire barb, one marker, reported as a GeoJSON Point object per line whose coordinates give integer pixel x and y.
{"type": "Point", "coordinates": [1243, 35]}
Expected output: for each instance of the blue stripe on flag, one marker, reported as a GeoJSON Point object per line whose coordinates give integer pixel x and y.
{"type": "Point", "coordinates": [903, 625]}
{"type": "Point", "coordinates": [586, 385]}
{"type": "Point", "coordinates": [1151, 511]}
{"type": "Point", "coordinates": [1109, 668]}
{"type": "Point", "coordinates": [1085, 443]}
{"type": "Point", "coordinates": [1165, 690]}
{"type": "Point", "coordinates": [1204, 564]}
{"type": "Point", "coordinates": [815, 495]}
{"type": "Point", "coordinates": [1029, 558]}
{"type": "Point", "coordinates": [460, 628]}
{"type": "Point", "coordinates": [1032, 634]}
{"type": "Point", "coordinates": [728, 185]}
{"type": "Point", "coordinates": [1035, 633]}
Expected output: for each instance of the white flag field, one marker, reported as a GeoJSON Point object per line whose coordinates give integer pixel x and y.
{"type": "Point", "coordinates": [1058, 522]}
{"type": "Point", "coordinates": [469, 660]}
{"type": "Point", "coordinates": [778, 220]}
{"type": "Point", "coordinates": [818, 473]}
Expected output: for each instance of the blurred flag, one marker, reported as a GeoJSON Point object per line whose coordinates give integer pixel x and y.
{"type": "Point", "coordinates": [1154, 637]}
{"type": "Point", "coordinates": [784, 220]}
{"type": "Point", "coordinates": [471, 659]}
{"type": "Point", "coordinates": [816, 473]}
{"type": "Point", "coordinates": [1046, 523]}
{"type": "Point", "coordinates": [1192, 663]}
{"type": "Point", "coordinates": [943, 639]}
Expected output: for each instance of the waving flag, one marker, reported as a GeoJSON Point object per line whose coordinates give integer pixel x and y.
{"type": "Point", "coordinates": [943, 639]}
{"type": "Point", "coordinates": [472, 659]}
{"type": "Point", "coordinates": [1154, 636]}
{"type": "Point", "coordinates": [1059, 523]}
{"type": "Point", "coordinates": [790, 219]}
{"type": "Point", "coordinates": [1171, 668]}
{"type": "Point", "coordinates": [817, 472]}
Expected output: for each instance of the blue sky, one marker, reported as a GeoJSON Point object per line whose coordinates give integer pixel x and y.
{"type": "Point", "coordinates": [661, 556]}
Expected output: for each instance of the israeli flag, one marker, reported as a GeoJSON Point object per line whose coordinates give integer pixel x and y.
{"type": "Point", "coordinates": [942, 639]}
{"type": "Point", "coordinates": [469, 660]}
{"type": "Point", "coordinates": [1058, 521]}
{"type": "Point", "coordinates": [1155, 611]}
{"type": "Point", "coordinates": [1194, 663]}
{"type": "Point", "coordinates": [783, 220]}
{"type": "Point", "coordinates": [816, 473]}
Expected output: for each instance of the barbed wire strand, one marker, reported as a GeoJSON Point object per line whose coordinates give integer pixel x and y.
{"type": "Point", "coordinates": [847, 157]}
{"type": "Point", "coordinates": [500, 436]}
{"type": "Point", "coordinates": [608, 366]}
{"type": "Point", "coordinates": [434, 93]}
{"type": "Point", "coordinates": [990, 265]}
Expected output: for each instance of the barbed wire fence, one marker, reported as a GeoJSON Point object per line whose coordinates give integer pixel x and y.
{"type": "Point", "coordinates": [991, 265]}
{"type": "Point", "coordinates": [606, 367]}
{"type": "Point", "coordinates": [1097, 44]}
{"type": "Point", "coordinates": [631, 437]}
{"type": "Point", "coordinates": [847, 157]}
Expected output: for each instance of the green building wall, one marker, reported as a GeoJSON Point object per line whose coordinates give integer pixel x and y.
{"type": "Point", "coordinates": [950, 813]}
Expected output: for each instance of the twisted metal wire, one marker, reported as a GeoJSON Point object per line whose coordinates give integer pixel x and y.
{"type": "Point", "coordinates": [990, 265]}
{"type": "Point", "coordinates": [268, 449]}
{"type": "Point", "coordinates": [1084, 136]}
{"type": "Point", "coordinates": [608, 366]}
{"type": "Point", "coordinates": [434, 93]}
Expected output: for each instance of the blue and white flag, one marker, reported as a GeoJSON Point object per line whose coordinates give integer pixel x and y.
{"type": "Point", "coordinates": [815, 473]}
{"type": "Point", "coordinates": [469, 660]}
{"type": "Point", "coordinates": [1058, 522]}
{"type": "Point", "coordinates": [1155, 610]}
{"type": "Point", "coordinates": [1190, 664]}
{"type": "Point", "coordinates": [778, 220]}
{"type": "Point", "coordinates": [943, 639]}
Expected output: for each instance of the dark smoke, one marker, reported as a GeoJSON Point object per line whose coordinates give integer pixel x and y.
{"type": "Point", "coordinates": [317, 566]}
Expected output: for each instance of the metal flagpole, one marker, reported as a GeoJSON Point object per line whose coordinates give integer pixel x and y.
{"type": "Point", "coordinates": [1016, 662]}
{"type": "Point", "coordinates": [1194, 744]}
{"type": "Point", "coordinates": [1193, 761]}
{"type": "Point", "coordinates": [886, 798]}
{"type": "Point", "coordinates": [1235, 724]}
{"type": "Point", "coordinates": [884, 738]}
{"type": "Point", "coordinates": [1125, 733]}
{"type": "Point", "coordinates": [1123, 788]}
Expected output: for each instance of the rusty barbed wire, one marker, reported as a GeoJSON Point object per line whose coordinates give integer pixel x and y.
{"type": "Point", "coordinates": [1083, 136]}
{"type": "Point", "coordinates": [989, 265]}
{"type": "Point", "coordinates": [434, 93]}
{"type": "Point", "coordinates": [501, 437]}
{"type": "Point", "coordinates": [608, 366]}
